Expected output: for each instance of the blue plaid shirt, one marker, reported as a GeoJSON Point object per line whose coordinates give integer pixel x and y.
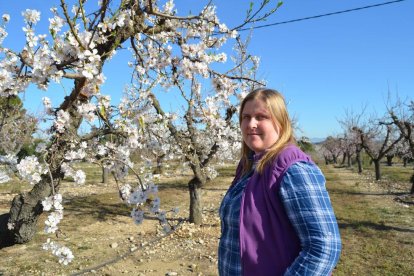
{"type": "Point", "coordinates": [229, 260]}
{"type": "Point", "coordinates": [309, 209]}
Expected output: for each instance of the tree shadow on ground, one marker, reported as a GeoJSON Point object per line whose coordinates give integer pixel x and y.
{"type": "Point", "coordinates": [348, 192]}
{"type": "Point", "coordinates": [354, 224]}
{"type": "Point", "coordinates": [96, 208]}
{"type": "Point", "coordinates": [209, 188]}
{"type": "Point", "coordinates": [169, 186]}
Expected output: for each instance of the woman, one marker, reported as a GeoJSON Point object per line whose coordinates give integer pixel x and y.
{"type": "Point", "coordinates": [276, 217]}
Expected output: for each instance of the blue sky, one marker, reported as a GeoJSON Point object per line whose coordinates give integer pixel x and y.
{"type": "Point", "coordinates": [323, 66]}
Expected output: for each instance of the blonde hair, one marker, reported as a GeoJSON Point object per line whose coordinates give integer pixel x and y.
{"type": "Point", "coordinates": [277, 107]}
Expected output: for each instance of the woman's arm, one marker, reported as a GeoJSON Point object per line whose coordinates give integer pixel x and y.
{"type": "Point", "coordinates": [309, 209]}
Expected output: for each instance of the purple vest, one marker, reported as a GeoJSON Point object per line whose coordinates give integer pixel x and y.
{"type": "Point", "coordinates": [268, 242]}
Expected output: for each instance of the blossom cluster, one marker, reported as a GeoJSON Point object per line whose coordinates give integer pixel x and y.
{"type": "Point", "coordinates": [53, 202]}
{"type": "Point", "coordinates": [30, 169]}
{"type": "Point", "coordinates": [144, 198]}
{"type": "Point", "coordinates": [78, 176]}
{"type": "Point", "coordinates": [63, 253]}
{"type": "Point", "coordinates": [10, 161]}
{"type": "Point", "coordinates": [3, 34]}
{"type": "Point", "coordinates": [62, 119]}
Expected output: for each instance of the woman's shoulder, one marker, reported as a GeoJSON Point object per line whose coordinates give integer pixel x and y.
{"type": "Point", "coordinates": [288, 156]}
{"type": "Point", "coordinates": [302, 167]}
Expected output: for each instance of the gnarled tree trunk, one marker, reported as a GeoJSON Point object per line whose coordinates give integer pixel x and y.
{"type": "Point", "coordinates": [359, 161]}
{"type": "Point", "coordinates": [159, 169]}
{"type": "Point", "coordinates": [19, 225]}
{"type": "Point", "coordinates": [105, 174]}
{"type": "Point", "coordinates": [389, 160]}
{"type": "Point", "coordinates": [194, 188]}
{"type": "Point", "coordinates": [377, 169]}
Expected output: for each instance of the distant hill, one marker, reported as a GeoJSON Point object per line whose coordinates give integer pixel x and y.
{"type": "Point", "coordinates": [317, 140]}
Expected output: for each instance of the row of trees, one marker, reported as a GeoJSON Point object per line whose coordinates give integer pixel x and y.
{"type": "Point", "coordinates": [381, 138]}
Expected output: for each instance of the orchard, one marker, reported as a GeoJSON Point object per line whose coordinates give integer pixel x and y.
{"type": "Point", "coordinates": [169, 53]}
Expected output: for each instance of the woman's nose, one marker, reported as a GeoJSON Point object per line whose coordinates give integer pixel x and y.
{"type": "Point", "coordinates": [252, 123]}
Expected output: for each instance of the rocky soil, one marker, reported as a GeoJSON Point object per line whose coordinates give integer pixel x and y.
{"type": "Point", "coordinates": [105, 241]}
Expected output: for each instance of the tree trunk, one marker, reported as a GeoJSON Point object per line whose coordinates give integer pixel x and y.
{"type": "Point", "coordinates": [159, 169]}
{"type": "Point", "coordinates": [377, 169]}
{"type": "Point", "coordinates": [24, 214]}
{"type": "Point", "coordinates": [348, 156]}
{"type": "Point", "coordinates": [20, 225]}
{"type": "Point", "coordinates": [343, 158]}
{"type": "Point", "coordinates": [105, 174]}
{"type": "Point", "coordinates": [194, 187]}
{"type": "Point", "coordinates": [5, 235]}
{"type": "Point", "coordinates": [412, 187]}
{"type": "Point", "coordinates": [389, 160]}
{"type": "Point", "coordinates": [359, 162]}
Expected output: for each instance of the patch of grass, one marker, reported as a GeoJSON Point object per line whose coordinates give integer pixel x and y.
{"type": "Point", "coordinates": [377, 233]}
{"type": "Point", "coordinates": [14, 186]}
{"type": "Point", "coordinates": [227, 171]}
{"type": "Point", "coordinates": [397, 173]}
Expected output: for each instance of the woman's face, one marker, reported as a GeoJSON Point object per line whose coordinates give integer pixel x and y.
{"type": "Point", "coordinates": [258, 130]}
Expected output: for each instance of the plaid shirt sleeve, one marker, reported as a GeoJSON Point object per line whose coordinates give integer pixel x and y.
{"type": "Point", "coordinates": [309, 209]}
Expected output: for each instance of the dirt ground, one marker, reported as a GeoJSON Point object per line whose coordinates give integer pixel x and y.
{"type": "Point", "coordinates": [105, 241]}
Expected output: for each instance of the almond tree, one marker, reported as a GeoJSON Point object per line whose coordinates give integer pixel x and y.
{"type": "Point", "coordinates": [404, 121]}
{"type": "Point", "coordinates": [351, 137]}
{"type": "Point", "coordinates": [377, 139]}
{"type": "Point", "coordinates": [167, 50]}
{"type": "Point", "coordinates": [203, 127]}
{"type": "Point", "coordinates": [331, 149]}
{"type": "Point", "coordinates": [16, 126]}
{"type": "Point", "coordinates": [404, 152]}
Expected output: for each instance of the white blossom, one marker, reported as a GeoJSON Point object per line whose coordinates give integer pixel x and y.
{"type": "Point", "coordinates": [89, 71]}
{"type": "Point", "coordinates": [47, 203]}
{"type": "Point", "coordinates": [169, 7]}
{"type": "Point", "coordinates": [87, 110]}
{"type": "Point", "coordinates": [31, 16]}
{"type": "Point", "coordinates": [79, 177]}
{"type": "Point", "coordinates": [10, 226]}
{"type": "Point", "coordinates": [137, 215]}
{"type": "Point", "coordinates": [3, 35]}
{"type": "Point", "coordinates": [6, 17]}
{"type": "Point", "coordinates": [30, 169]}
{"type": "Point", "coordinates": [52, 221]}
{"type": "Point", "coordinates": [63, 253]}
{"type": "Point", "coordinates": [125, 191]}
{"type": "Point", "coordinates": [67, 170]}
{"type": "Point", "coordinates": [101, 150]}
{"type": "Point", "coordinates": [75, 154]}
{"type": "Point", "coordinates": [137, 197]}
{"type": "Point", "coordinates": [56, 23]}
{"type": "Point", "coordinates": [40, 148]}
{"type": "Point", "coordinates": [155, 205]}
{"type": "Point", "coordinates": [62, 119]}
{"type": "Point", "coordinates": [4, 177]}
